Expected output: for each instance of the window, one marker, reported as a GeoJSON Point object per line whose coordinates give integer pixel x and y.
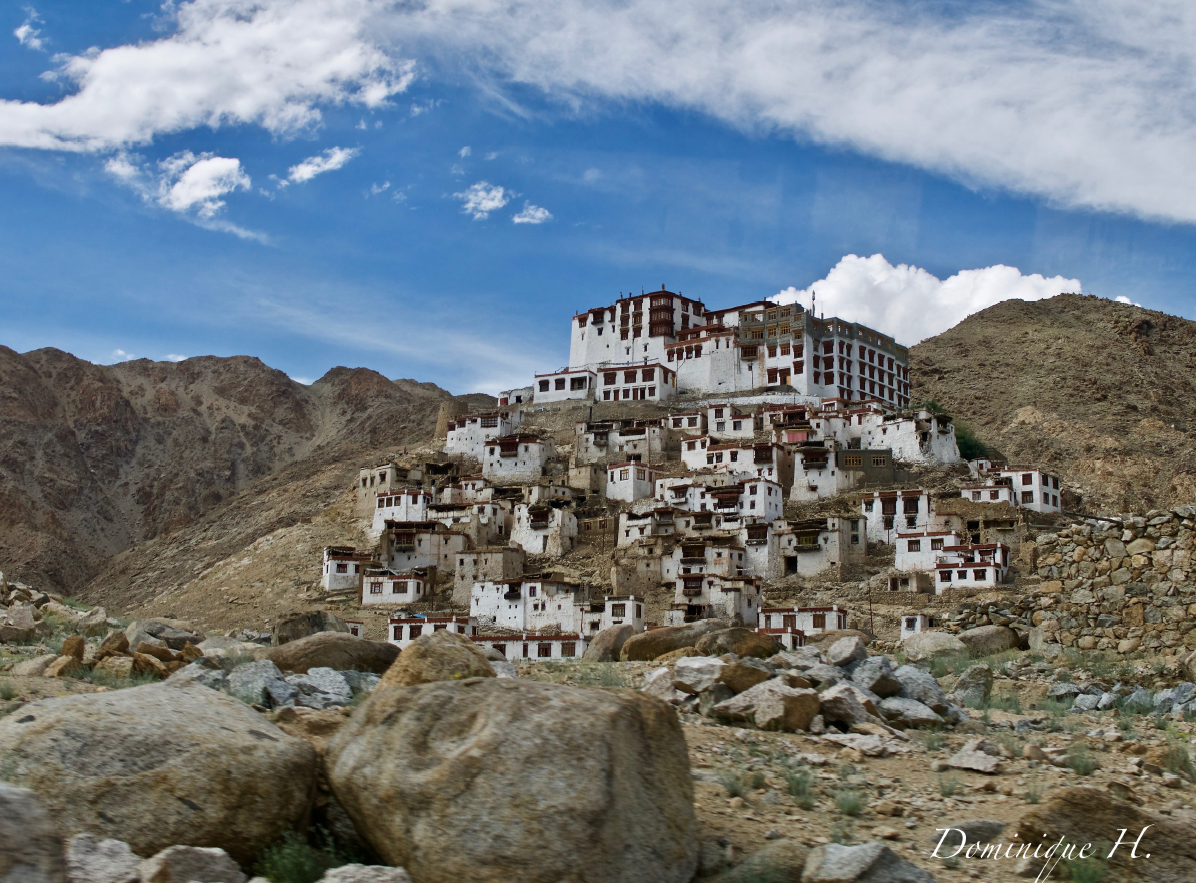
{"type": "Point", "coordinates": [735, 459]}
{"type": "Point", "coordinates": [1055, 483]}
{"type": "Point", "coordinates": [867, 505]}
{"type": "Point", "coordinates": [690, 446]}
{"type": "Point", "coordinates": [784, 349]}
{"type": "Point", "coordinates": [962, 574]}
{"type": "Point", "coordinates": [619, 610]}
{"type": "Point", "coordinates": [819, 620]}
{"type": "Point", "coordinates": [577, 383]}
{"type": "Point", "coordinates": [718, 413]}
{"type": "Point", "coordinates": [911, 521]}
{"type": "Point", "coordinates": [913, 546]}
{"type": "Point", "coordinates": [693, 421]}
{"type": "Point", "coordinates": [629, 377]}
{"type": "Point", "coordinates": [1028, 478]}
{"type": "Point", "coordinates": [342, 568]}
{"type": "Point", "coordinates": [623, 474]}
{"type": "Point", "coordinates": [910, 622]}
{"type": "Point", "coordinates": [753, 490]}
{"type": "Point", "coordinates": [1046, 482]}
{"type": "Point", "coordinates": [936, 545]}
{"type": "Point", "coordinates": [944, 576]}
{"type": "Point", "coordinates": [980, 575]}
{"type": "Point", "coordinates": [648, 374]}
{"type": "Point", "coordinates": [568, 649]}
{"type": "Point", "coordinates": [736, 425]}
{"type": "Point", "coordinates": [994, 495]}
{"type": "Point", "coordinates": [881, 461]}
{"type": "Point", "coordinates": [853, 460]}
{"type": "Point", "coordinates": [376, 587]}
{"type": "Point", "coordinates": [560, 383]}
{"type": "Point", "coordinates": [1027, 496]}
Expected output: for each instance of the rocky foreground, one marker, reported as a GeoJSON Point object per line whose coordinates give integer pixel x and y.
{"type": "Point", "coordinates": [698, 752]}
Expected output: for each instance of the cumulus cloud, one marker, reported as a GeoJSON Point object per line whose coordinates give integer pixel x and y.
{"type": "Point", "coordinates": [464, 151]}
{"type": "Point", "coordinates": [481, 199]}
{"type": "Point", "coordinates": [912, 304]}
{"type": "Point", "coordinates": [174, 357]}
{"type": "Point", "coordinates": [1122, 299]}
{"type": "Point", "coordinates": [187, 184]}
{"type": "Point", "coordinates": [532, 214]}
{"type": "Point", "coordinates": [120, 355]}
{"type": "Point", "coordinates": [329, 161]}
{"type": "Point", "coordinates": [271, 63]}
{"type": "Point", "coordinates": [27, 34]}
{"type": "Point", "coordinates": [1085, 102]}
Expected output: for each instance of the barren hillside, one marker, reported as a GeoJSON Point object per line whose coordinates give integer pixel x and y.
{"type": "Point", "coordinates": [1101, 391]}
{"type": "Point", "coordinates": [96, 460]}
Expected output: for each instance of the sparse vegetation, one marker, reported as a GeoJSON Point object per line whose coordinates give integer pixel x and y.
{"type": "Point", "coordinates": [1034, 792]}
{"type": "Point", "coordinates": [8, 693]}
{"type": "Point", "coordinates": [849, 801]}
{"type": "Point", "coordinates": [1081, 760]}
{"type": "Point", "coordinates": [801, 787]}
{"type": "Point", "coordinates": [295, 860]}
{"type": "Point", "coordinates": [105, 679]}
{"type": "Point", "coordinates": [600, 674]}
{"type": "Point", "coordinates": [949, 786]}
{"type": "Point", "coordinates": [735, 784]}
{"type": "Point", "coordinates": [1179, 759]}
{"type": "Point", "coordinates": [932, 739]}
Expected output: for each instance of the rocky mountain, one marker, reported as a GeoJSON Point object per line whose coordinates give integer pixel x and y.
{"type": "Point", "coordinates": [1103, 392]}
{"type": "Point", "coordinates": [97, 460]}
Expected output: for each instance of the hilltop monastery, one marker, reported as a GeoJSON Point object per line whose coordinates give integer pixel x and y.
{"type": "Point", "coordinates": [734, 419]}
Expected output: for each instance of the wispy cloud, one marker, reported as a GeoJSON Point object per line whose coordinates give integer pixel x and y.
{"type": "Point", "coordinates": [190, 185]}
{"type": "Point", "coordinates": [464, 151]}
{"type": "Point", "coordinates": [329, 161]}
{"type": "Point", "coordinates": [272, 63]}
{"type": "Point", "coordinates": [175, 357]}
{"type": "Point", "coordinates": [532, 214]}
{"type": "Point", "coordinates": [119, 355]}
{"type": "Point", "coordinates": [376, 189]}
{"type": "Point", "coordinates": [28, 35]}
{"type": "Point", "coordinates": [912, 304]}
{"type": "Point", "coordinates": [483, 198]}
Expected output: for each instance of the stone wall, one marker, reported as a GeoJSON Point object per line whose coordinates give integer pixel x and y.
{"type": "Point", "coordinates": [1121, 585]}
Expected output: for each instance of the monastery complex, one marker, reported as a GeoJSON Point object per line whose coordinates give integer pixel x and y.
{"type": "Point", "coordinates": [710, 460]}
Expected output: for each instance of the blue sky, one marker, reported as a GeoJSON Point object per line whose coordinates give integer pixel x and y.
{"type": "Point", "coordinates": [317, 183]}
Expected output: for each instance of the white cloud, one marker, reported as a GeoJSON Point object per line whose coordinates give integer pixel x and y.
{"type": "Point", "coordinates": [464, 151]}
{"type": "Point", "coordinates": [188, 184]}
{"type": "Point", "coordinates": [27, 34]}
{"type": "Point", "coordinates": [120, 355]}
{"type": "Point", "coordinates": [532, 214]}
{"type": "Point", "coordinates": [1088, 103]}
{"type": "Point", "coordinates": [174, 357]}
{"type": "Point", "coordinates": [306, 381]}
{"type": "Point", "coordinates": [910, 303]}
{"type": "Point", "coordinates": [329, 161]}
{"type": "Point", "coordinates": [1122, 299]}
{"type": "Point", "coordinates": [375, 189]}
{"type": "Point", "coordinates": [421, 107]}
{"type": "Point", "coordinates": [493, 154]}
{"type": "Point", "coordinates": [270, 63]}
{"type": "Point", "coordinates": [591, 175]}
{"type": "Point", "coordinates": [481, 199]}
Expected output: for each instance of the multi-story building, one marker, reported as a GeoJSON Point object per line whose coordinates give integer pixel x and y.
{"type": "Point", "coordinates": [468, 435]}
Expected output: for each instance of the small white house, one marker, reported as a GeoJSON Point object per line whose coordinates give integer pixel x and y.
{"type": "Point", "coordinates": [468, 435]}
{"type": "Point", "coordinates": [915, 623]}
{"type": "Point", "coordinates": [529, 603]}
{"type": "Point", "coordinates": [342, 568]}
{"type": "Point", "coordinates": [540, 529]}
{"type": "Point", "coordinates": [688, 423]}
{"type": "Point", "coordinates": [1033, 489]}
{"type": "Point", "coordinates": [388, 587]}
{"type": "Point", "coordinates": [791, 625]}
{"type": "Point", "coordinates": [405, 629]}
{"type": "Point", "coordinates": [563, 386]}
{"type": "Point", "coordinates": [480, 565]}
{"type": "Point", "coordinates": [613, 610]}
{"type": "Point", "coordinates": [726, 421]}
{"type": "Point", "coordinates": [517, 459]}
{"type": "Point", "coordinates": [989, 493]}
{"type": "Point", "coordinates": [921, 551]}
{"type": "Point", "coordinates": [649, 382]}
{"type": "Point", "coordinates": [643, 441]}
{"type": "Point", "coordinates": [982, 566]}
{"type": "Point", "coordinates": [714, 596]}
{"type": "Point", "coordinates": [889, 513]}
{"type": "Point", "coordinates": [356, 628]}
{"type": "Point", "coordinates": [535, 648]}
{"type": "Point", "coordinates": [656, 522]}
{"type": "Point", "coordinates": [401, 504]}
{"type": "Point", "coordinates": [630, 481]}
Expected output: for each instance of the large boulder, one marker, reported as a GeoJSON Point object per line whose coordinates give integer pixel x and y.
{"type": "Point", "coordinates": [974, 687]}
{"type": "Point", "coordinates": [779, 861]}
{"type": "Point", "coordinates": [875, 674]}
{"type": "Point", "coordinates": [190, 864]}
{"type": "Point", "coordinates": [451, 780]}
{"type": "Point", "coordinates": [89, 860]}
{"type": "Point", "coordinates": [160, 765]}
{"type": "Point", "coordinates": [300, 625]}
{"type": "Point", "coordinates": [771, 706]}
{"type": "Point", "coordinates": [740, 641]}
{"type": "Point", "coordinates": [908, 713]}
{"type": "Point", "coordinates": [847, 651]}
{"type": "Point", "coordinates": [866, 863]}
{"type": "Point", "coordinates": [335, 650]}
{"type": "Point", "coordinates": [608, 644]}
{"type": "Point", "coordinates": [697, 674]}
{"type": "Point", "coordinates": [988, 640]}
{"type": "Point", "coordinates": [30, 847]}
{"type": "Point", "coordinates": [920, 685]}
{"type": "Point", "coordinates": [824, 640]}
{"type": "Point", "coordinates": [1093, 815]}
{"type": "Point", "coordinates": [648, 645]}
{"type": "Point", "coordinates": [440, 656]}
{"type": "Point", "coordinates": [929, 645]}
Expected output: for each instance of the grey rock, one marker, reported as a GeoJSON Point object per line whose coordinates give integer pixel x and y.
{"type": "Point", "coordinates": [608, 644]}
{"type": "Point", "coordinates": [988, 640]}
{"type": "Point", "coordinates": [366, 681]}
{"type": "Point", "coordinates": [846, 651]}
{"type": "Point", "coordinates": [90, 860]}
{"type": "Point", "coordinates": [1106, 701]}
{"type": "Point", "coordinates": [824, 675]}
{"type": "Point", "coordinates": [1063, 688]}
{"type": "Point", "coordinates": [191, 864]}
{"type": "Point", "coordinates": [840, 703]}
{"type": "Point", "coordinates": [696, 674]}
{"type": "Point", "coordinates": [920, 685]}
{"type": "Point", "coordinates": [365, 874]}
{"type": "Point", "coordinates": [30, 848]}
{"type": "Point", "coordinates": [503, 668]}
{"type": "Point", "coordinates": [798, 659]}
{"type": "Point", "coordinates": [779, 861]}
{"type": "Point", "coordinates": [974, 687]}
{"type": "Point", "coordinates": [1085, 702]}
{"type": "Point", "coordinates": [659, 683]}
{"type": "Point", "coordinates": [771, 706]}
{"type": "Point", "coordinates": [279, 693]}
{"type": "Point", "coordinates": [908, 713]}
{"type": "Point", "coordinates": [214, 679]}
{"type": "Point", "coordinates": [928, 645]}
{"type": "Point", "coordinates": [867, 863]}
{"type": "Point", "coordinates": [248, 681]}
{"type": "Point", "coordinates": [712, 698]}
{"type": "Point", "coordinates": [975, 756]}
{"type": "Point", "coordinates": [324, 683]}
{"type": "Point", "coordinates": [875, 674]}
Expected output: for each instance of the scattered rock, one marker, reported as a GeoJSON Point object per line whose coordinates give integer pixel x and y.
{"type": "Point", "coordinates": [30, 848]}
{"type": "Point", "coordinates": [161, 765]}
{"type": "Point", "coordinates": [696, 674]}
{"type": "Point", "coordinates": [250, 682]}
{"type": "Point", "coordinates": [450, 780]}
{"type": "Point", "coordinates": [115, 666]}
{"type": "Point", "coordinates": [33, 668]}
{"type": "Point", "coordinates": [975, 756]}
{"type": "Point", "coordinates": [928, 645]}
{"type": "Point", "coordinates": [988, 640]}
{"type": "Point", "coordinates": [440, 656]}
{"type": "Point", "coordinates": [875, 674]}
{"type": "Point", "coordinates": [974, 687]}
{"type": "Point", "coordinates": [740, 641]}
{"type": "Point", "coordinates": [647, 646]}
{"type": "Point", "coordinates": [908, 713]}
{"type": "Point", "coordinates": [608, 644]}
{"type": "Point", "coordinates": [64, 667]}
{"type": "Point", "coordinates": [191, 864]}
{"type": "Point", "coordinates": [365, 874]}
{"type": "Point", "coordinates": [846, 651]}
{"type": "Point", "coordinates": [335, 650]}
{"type": "Point", "coordinates": [74, 646]}
{"type": "Point", "coordinates": [867, 863]}
{"type": "Point", "coordinates": [918, 684]}
{"type": "Point", "coordinates": [779, 862]}
{"type": "Point", "coordinates": [743, 674]}
{"type": "Point", "coordinates": [771, 706]}
{"type": "Point", "coordinates": [90, 860]}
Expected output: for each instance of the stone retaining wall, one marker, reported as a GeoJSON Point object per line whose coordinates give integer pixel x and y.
{"type": "Point", "coordinates": [1119, 585]}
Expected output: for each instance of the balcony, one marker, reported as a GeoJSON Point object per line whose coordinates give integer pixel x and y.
{"type": "Point", "coordinates": [691, 592]}
{"type": "Point", "coordinates": [805, 548]}
{"type": "Point", "coordinates": [689, 562]}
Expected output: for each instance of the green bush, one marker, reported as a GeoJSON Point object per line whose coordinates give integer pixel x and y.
{"type": "Point", "coordinates": [1080, 759]}
{"type": "Point", "coordinates": [970, 447]}
{"type": "Point", "coordinates": [113, 682]}
{"type": "Point", "coordinates": [849, 801]}
{"type": "Point", "coordinates": [1178, 759]}
{"type": "Point", "coordinates": [1034, 792]}
{"type": "Point", "coordinates": [295, 860]}
{"type": "Point", "coordinates": [600, 674]}
{"type": "Point", "coordinates": [801, 787]}
{"type": "Point", "coordinates": [735, 784]}
{"type": "Point", "coordinates": [949, 786]}
{"type": "Point", "coordinates": [8, 693]}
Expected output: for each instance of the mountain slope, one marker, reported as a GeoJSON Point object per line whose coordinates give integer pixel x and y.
{"type": "Point", "coordinates": [1100, 391]}
{"type": "Point", "coordinates": [95, 460]}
